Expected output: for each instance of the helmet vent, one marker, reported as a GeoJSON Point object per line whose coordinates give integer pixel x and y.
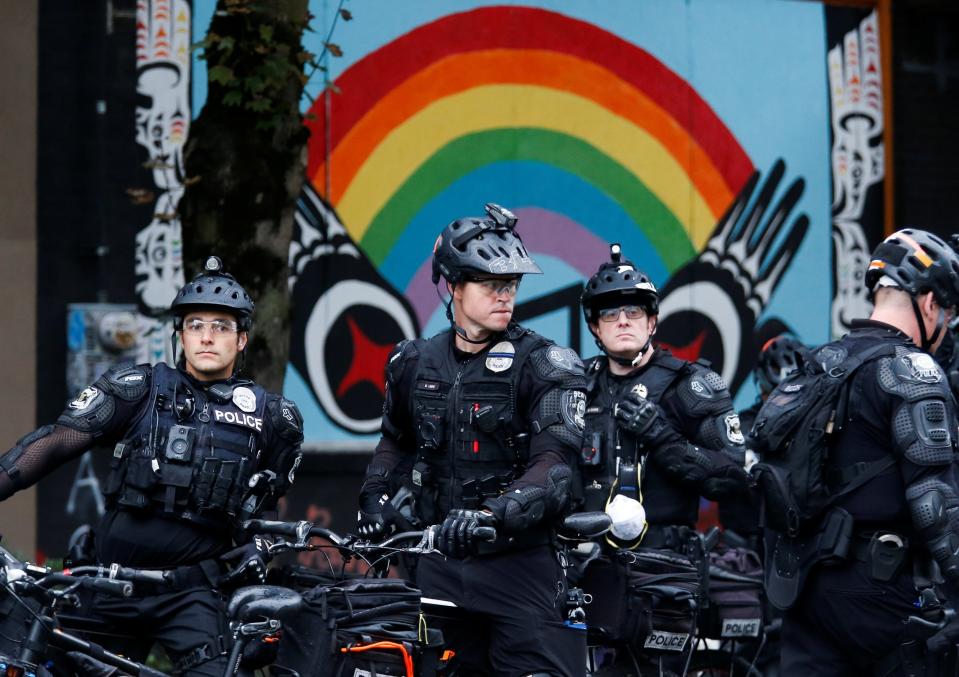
{"type": "Point", "coordinates": [218, 290]}
{"type": "Point", "coordinates": [483, 254]}
{"type": "Point", "coordinates": [235, 295]}
{"type": "Point", "coordinates": [199, 289]}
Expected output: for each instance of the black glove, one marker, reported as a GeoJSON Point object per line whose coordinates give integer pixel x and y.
{"type": "Point", "coordinates": [948, 637]}
{"type": "Point", "coordinates": [644, 419]}
{"type": "Point", "coordinates": [376, 515]}
{"type": "Point", "coordinates": [248, 562]}
{"type": "Point", "coordinates": [458, 537]}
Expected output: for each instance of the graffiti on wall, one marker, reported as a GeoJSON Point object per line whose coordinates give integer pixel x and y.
{"type": "Point", "coordinates": [591, 134]}
{"type": "Point", "coordinates": [163, 61]}
{"type": "Point", "coordinates": [858, 163]}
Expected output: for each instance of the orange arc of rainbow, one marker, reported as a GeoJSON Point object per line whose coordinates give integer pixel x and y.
{"type": "Point", "coordinates": [454, 74]}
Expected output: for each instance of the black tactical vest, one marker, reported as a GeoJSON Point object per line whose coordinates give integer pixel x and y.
{"type": "Point", "coordinates": [191, 451]}
{"type": "Point", "coordinates": [471, 442]}
{"type": "Point", "coordinates": [666, 502]}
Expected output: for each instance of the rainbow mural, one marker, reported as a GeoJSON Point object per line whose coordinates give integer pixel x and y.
{"type": "Point", "coordinates": [678, 131]}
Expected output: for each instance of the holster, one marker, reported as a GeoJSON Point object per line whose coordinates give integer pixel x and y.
{"type": "Point", "coordinates": [790, 559]}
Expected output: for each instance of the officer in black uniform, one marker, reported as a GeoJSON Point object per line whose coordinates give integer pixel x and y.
{"type": "Point", "coordinates": [196, 449]}
{"type": "Point", "coordinates": [667, 424]}
{"type": "Point", "coordinates": [660, 431]}
{"type": "Point", "coordinates": [486, 419]}
{"type": "Point", "coordinates": [779, 358]}
{"type": "Point", "coordinates": [849, 619]}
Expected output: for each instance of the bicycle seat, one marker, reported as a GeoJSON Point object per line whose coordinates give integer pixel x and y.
{"type": "Point", "coordinates": [259, 601]}
{"type": "Point", "coordinates": [584, 526]}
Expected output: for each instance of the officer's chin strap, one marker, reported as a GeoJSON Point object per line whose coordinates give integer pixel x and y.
{"type": "Point", "coordinates": [927, 342]}
{"type": "Point", "coordinates": [458, 329]}
{"type": "Point", "coordinates": [625, 361]}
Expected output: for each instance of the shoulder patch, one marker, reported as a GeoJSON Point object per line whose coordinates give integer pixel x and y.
{"type": "Point", "coordinates": [706, 383]}
{"type": "Point", "coordinates": [87, 397]}
{"type": "Point", "coordinates": [565, 359]}
{"type": "Point", "coordinates": [916, 367]}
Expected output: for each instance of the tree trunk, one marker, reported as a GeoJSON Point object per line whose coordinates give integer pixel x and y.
{"type": "Point", "coordinates": [246, 157]}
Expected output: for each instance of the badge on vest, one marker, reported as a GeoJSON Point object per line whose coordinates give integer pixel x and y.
{"type": "Point", "coordinates": [84, 399]}
{"type": "Point", "coordinates": [244, 398]}
{"type": "Point", "coordinates": [640, 390]}
{"type": "Point", "coordinates": [500, 357]}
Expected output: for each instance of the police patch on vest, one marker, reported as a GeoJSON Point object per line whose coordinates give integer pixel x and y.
{"type": "Point", "coordinates": [564, 358]}
{"type": "Point", "coordinates": [640, 390]}
{"type": "Point", "coordinates": [244, 398]}
{"type": "Point", "coordinates": [574, 409]}
{"type": "Point", "coordinates": [85, 398]}
{"type": "Point", "coordinates": [666, 641]}
{"type": "Point", "coordinates": [924, 368]}
{"type": "Point", "coordinates": [236, 418]}
{"type": "Point", "coordinates": [500, 356]}
{"type": "Point", "coordinates": [741, 627]}
{"type": "Point", "coordinates": [734, 429]}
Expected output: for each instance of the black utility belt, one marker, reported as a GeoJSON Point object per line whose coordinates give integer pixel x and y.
{"type": "Point", "coordinates": [884, 553]}
{"type": "Point", "coordinates": [666, 537]}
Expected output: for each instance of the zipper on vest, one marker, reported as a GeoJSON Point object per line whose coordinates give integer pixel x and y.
{"type": "Point", "coordinates": [458, 435]}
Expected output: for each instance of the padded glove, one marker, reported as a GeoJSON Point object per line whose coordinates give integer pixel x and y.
{"type": "Point", "coordinates": [644, 419]}
{"type": "Point", "coordinates": [248, 562]}
{"type": "Point", "coordinates": [376, 515]}
{"type": "Point", "coordinates": [458, 537]}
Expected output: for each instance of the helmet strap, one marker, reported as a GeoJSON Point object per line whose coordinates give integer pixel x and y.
{"type": "Point", "coordinates": [456, 328]}
{"type": "Point", "coordinates": [924, 341]}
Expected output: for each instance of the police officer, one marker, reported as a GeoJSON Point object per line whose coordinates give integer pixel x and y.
{"type": "Point", "coordinates": [849, 619]}
{"type": "Point", "coordinates": [196, 449]}
{"type": "Point", "coordinates": [660, 431]}
{"type": "Point", "coordinates": [780, 358]}
{"type": "Point", "coordinates": [667, 424]}
{"type": "Point", "coordinates": [486, 419]}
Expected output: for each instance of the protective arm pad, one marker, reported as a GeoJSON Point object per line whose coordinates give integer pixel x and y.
{"type": "Point", "coordinates": [37, 454]}
{"type": "Point", "coordinates": [520, 509]}
{"type": "Point", "coordinates": [934, 508]}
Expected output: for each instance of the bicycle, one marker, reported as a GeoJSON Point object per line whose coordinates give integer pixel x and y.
{"type": "Point", "coordinates": [254, 612]}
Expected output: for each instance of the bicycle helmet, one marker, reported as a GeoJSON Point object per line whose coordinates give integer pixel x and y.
{"type": "Point", "coordinates": [618, 281]}
{"type": "Point", "coordinates": [477, 246]}
{"type": "Point", "coordinates": [213, 288]}
{"type": "Point", "coordinates": [917, 262]}
{"type": "Point", "coordinates": [779, 358]}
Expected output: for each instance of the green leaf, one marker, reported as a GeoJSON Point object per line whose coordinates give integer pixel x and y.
{"type": "Point", "coordinates": [258, 105]}
{"type": "Point", "coordinates": [227, 43]}
{"type": "Point", "coordinates": [221, 74]}
{"type": "Point", "coordinates": [266, 33]}
{"type": "Point", "coordinates": [233, 98]}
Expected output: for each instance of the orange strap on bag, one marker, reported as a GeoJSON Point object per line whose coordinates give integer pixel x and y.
{"type": "Point", "coordinates": [389, 646]}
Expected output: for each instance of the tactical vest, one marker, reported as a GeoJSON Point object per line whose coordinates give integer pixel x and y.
{"type": "Point", "coordinates": [471, 442]}
{"type": "Point", "coordinates": [191, 451]}
{"type": "Point", "coordinates": [604, 442]}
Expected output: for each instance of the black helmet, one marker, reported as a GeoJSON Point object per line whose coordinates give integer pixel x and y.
{"type": "Point", "coordinates": [481, 246]}
{"type": "Point", "coordinates": [779, 358]}
{"type": "Point", "coordinates": [618, 281]}
{"type": "Point", "coordinates": [213, 288]}
{"type": "Point", "coordinates": [918, 262]}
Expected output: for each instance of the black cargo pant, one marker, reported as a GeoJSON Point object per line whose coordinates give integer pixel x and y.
{"type": "Point", "coordinates": [845, 623]}
{"type": "Point", "coordinates": [512, 608]}
{"type": "Point", "coordinates": [189, 624]}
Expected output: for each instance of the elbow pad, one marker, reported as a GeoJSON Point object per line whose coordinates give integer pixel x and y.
{"type": "Point", "coordinates": [520, 509]}
{"type": "Point", "coordinates": [8, 462]}
{"type": "Point", "coordinates": [933, 505]}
